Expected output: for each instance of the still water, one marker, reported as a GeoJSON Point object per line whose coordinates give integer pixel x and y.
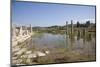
{"type": "Point", "coordinates": [47, 40]}
{"type": "Point", "coordinates": [59, 41]}
{"type": "Point", "coordinates": [62, 48]}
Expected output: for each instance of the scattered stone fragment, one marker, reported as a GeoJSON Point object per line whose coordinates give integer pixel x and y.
{"type": "Point", "coordinates": [20, 51]}
{"type": "Point", "coordinates": [28, 52]}
{"type": "Point", "coordinates": [47, 52]}
{"type": "Point", "coordinates": [24, 56]}
{"type": "Point", "coordinates": [28, 60]}
{"type": "Point", "coordinates": [32, 56]}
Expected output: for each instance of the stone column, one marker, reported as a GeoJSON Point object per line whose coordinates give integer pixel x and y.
{"type": "Point", "coordinates": [27, 30]}
{"type": "Point", "coordinates": [71, 27]}
{"type": "Point", "coordinates": [71, 35]}
{"type": "Point", "coordinates": [84, 32]}
{"type": "Point", "coordinates": [26, 33]}
{"type": "Point", "coordinates": [66, 27]}
{"type": "Point", "coordinates": [30, 28]}
{"type": "Point", "coordinates": [13, 31]}
{"type": "Point", "coordinates": [67, 36]}
{"type": "Point", "coordinates": [21, 32]}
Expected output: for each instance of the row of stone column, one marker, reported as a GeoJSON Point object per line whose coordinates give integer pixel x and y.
{"type": "Point", "coordinates": [72, 29]}
{"type": "Point", "coordinates": [20, 30]}
{"type": "Point", "coordinates": [70, 34]}
{"type": "Point", "coordinates": [67, 29]}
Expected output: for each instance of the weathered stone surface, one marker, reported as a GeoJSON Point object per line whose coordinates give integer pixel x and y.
{"type": "Point", "coordinates": [28, 52]}
{"type": "Point", "coordinates": [39, 53]}
{"type": "Point", "coordinates": [47, 52]}
{"type": "Point", "coordinates": [32, 55]}
{"type": "Point", "coordinates": [20, 51]}
{"type": "Point", "coordinates": [24, 56]}
{"type": "Point", "coordinates": [28, 60]}
{"type": "Point", "coordinates": [14, 43]}
{"type": "Point", "coordinates": [17, 61]}
{"type": "Point", "coordinates": [15, 49]}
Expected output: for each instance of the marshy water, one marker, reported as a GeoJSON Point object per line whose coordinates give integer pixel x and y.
{"type": "Point", "coordinates": [49, 40]}
{"type": "Point", "coordinates": [58, 41]}
{"type": "Point", "coordinates": [55, 48]}
{"type": "Point", "coordinates": [62, 48]}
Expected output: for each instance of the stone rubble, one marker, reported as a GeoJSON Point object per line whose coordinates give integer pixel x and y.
{"type": "Point", "coordinates": [20, 53]}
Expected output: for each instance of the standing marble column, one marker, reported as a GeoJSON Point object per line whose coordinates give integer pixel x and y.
{"type": "Point", "coordinates": [13, 31]}
{"type": "Point", "coordinates": [66, 27]}
{"type": "Point", "coordinates": [30, 28]}
{"type": "Point", "coordinates": [71, 27]}
{"type": "Point", "coordinates": [26, 33]}
{"type": "Point", "coordinates": [67, 36]}
{"type": "Point", "coordinates": [21, 32]}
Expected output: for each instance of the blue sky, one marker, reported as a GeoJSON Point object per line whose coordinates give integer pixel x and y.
{"type": "Point", "coordinates": [44, 14]}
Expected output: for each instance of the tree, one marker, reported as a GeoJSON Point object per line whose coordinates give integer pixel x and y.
{"type": "Point", "coordinates": [78, 24]}
{"type": "Point", "coordinates": [87, 23]}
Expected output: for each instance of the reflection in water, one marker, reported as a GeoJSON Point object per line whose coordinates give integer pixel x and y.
{"type": "Point", "coordinates": [58, 41]}
{"type": "Point", "coordinates": [50, 41]}
{"type": "Point", "coordinates": [77, 48]}
{"type": "Point", "coordinates": [78, 35]}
